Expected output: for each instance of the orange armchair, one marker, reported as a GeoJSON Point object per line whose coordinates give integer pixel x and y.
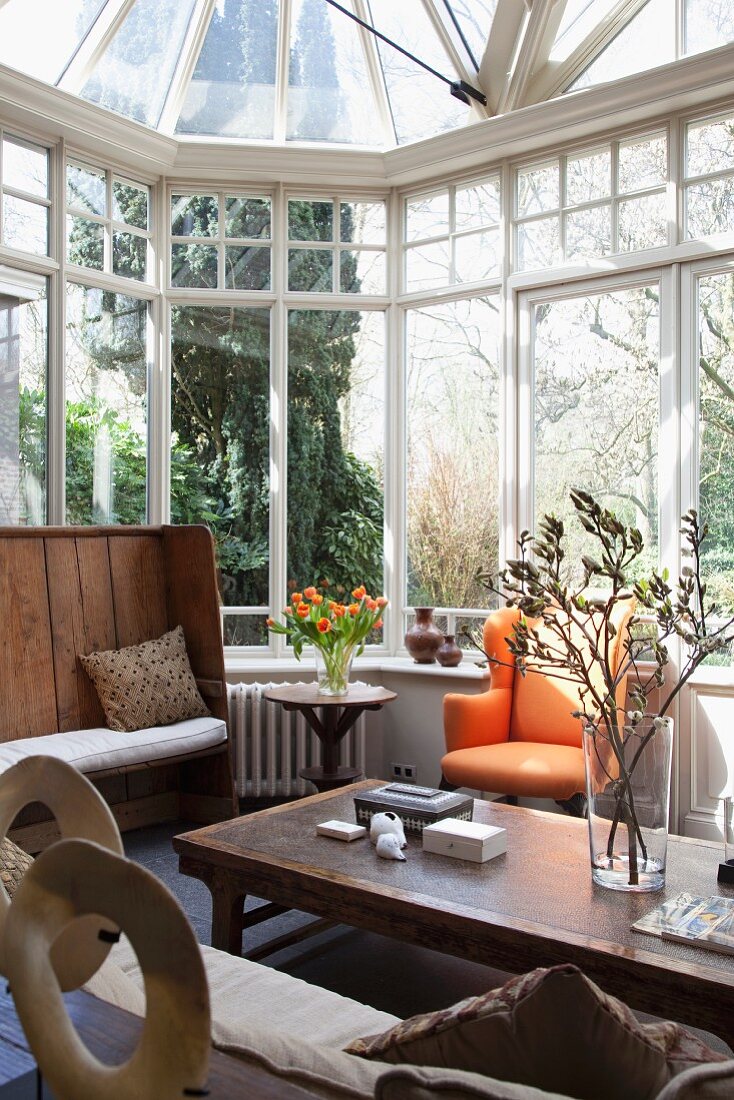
{"type": "Point", "coordinates": [520, 738]}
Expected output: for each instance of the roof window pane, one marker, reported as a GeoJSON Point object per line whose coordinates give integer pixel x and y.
{"type": "Point", "coordinates": [538, 189]}
{"type": "Point", "coordinates": [710, 147]}
{"type": "Point", "coordinates": [475, 19]}
{"type": "Point", "coordinates": [588, 177]}
{"type": "Point", "coordinates": [25, 168]}
{"type": "Point", "coordinates": [86, 189]}
{"type": "Point", "coordinates": [421, 104]}
{"type": "Point", "coordinates": [130, 203]}
{"type": "Point", "coordinates": [427, 216]}
{"type": "Point", "coordinates": [247, 218]}
{"type": "Point", "coordinates": [646, 41]}
{"type": "Point", "coordinates": [708, 23]}
{"type": "Point", "coordinates": [40, 36]}
{"type": "Point", "coordinates": [25, 225]}
{"type": "Point", "coordinates": [362, 222]}
{"type": "Point", "coordinates": [310, 221]}
{"type": "Point", "coordinates": [579, 18]}
{"type": "Point", "coordinates": [643, 163]}
{"type": "Point", "coordinates": [134, 73]}
{"type": "Point", "coordinates": [194, 216]}
{"type": "Point", "coordinates": [478, 205]}
{"type": "Point", "coordinates": [232, 91]}
{"type": "Point", "coordinates": [329, 93]}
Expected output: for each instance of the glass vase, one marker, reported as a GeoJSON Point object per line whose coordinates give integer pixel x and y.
{"type": "Point", "coordinates": [628, 791]}
{"type": "Point", "coordinates": [332, 669]}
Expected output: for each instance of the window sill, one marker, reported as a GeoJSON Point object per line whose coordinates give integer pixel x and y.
{"type": "Point", "coordinates": [401, 666]}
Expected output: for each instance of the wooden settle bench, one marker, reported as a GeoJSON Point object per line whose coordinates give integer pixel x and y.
{"type": "Point", "coordinates": [71, 590]}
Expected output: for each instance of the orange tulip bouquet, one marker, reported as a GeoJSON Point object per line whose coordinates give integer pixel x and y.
{"type": "Point", "coordinates": [337, 631]}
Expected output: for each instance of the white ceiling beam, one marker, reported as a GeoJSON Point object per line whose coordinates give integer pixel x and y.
{"type": "Point", "coordinates": [535, 46]}
{"type": "Point", "coordinates": [554, 77]}
{"type": "Point", "coordinates": [457, 54]}
{"type": "Point", "coordinates": [195, 35]}
{"type": "Point", "coordinates": [496, 63]}
{"type": "Point", "coordinates": [103, 30]}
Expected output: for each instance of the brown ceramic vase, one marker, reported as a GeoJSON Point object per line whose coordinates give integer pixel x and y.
{"type": "Point", "coordinates": [423, 639]}
{"type": "Point", "coordinates": [448, 653]}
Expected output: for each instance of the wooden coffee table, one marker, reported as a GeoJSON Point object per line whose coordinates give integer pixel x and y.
{"type": "Point", "coordinates": [534, 906]}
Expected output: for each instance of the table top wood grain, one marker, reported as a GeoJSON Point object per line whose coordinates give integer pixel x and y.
{"type": "Point", "coordinates": [308, 695]}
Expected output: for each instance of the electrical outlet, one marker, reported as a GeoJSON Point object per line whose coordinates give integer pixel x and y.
{"type": "Point", "coordinates": [406, 773]}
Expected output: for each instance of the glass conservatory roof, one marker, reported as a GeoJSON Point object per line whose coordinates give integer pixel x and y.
{"type": "Point", "coordinates": [304, 71]}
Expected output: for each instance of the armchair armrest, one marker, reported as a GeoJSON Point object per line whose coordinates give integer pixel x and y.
{"type": "Point", "coordinates": [472, 720]}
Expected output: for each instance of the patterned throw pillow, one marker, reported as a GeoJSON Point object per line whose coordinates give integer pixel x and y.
{"type": "Point", "coordinates": [549, 1029]}
{"type": "Point", "coordinates": [14, 863]}
{"type": "Point", "coordinates": [146, 685]}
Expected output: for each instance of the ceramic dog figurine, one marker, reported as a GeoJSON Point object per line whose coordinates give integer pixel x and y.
{"type": "Point", "coordinates": [388, 847]}
{"type": "Point", "coordinates": [386, 824]}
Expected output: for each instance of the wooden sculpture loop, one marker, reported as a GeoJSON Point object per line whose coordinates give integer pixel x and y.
{"type": "Point", "coordinates": [80, 811]}
{"type": "Point", "coordinates": [74, 878]}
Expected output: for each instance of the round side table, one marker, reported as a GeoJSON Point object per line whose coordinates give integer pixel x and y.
{"type": "Point", "coordinates": [340, 712]}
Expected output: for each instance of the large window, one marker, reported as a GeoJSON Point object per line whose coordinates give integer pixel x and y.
{"type": "Point", "coordinates": [23, 370]}
{"type": "Point", "coordinates": [452, 451]}
{"type": "Point", "coordinates": [220, 454]}
{"type": "Point", "coordinates": [106, 406]}
{"type": "Point", "coordinates": [452, 236]}
{"type": "Point", "coordinates": [716, 431]}
{"type": "Point", "coordinates": [107, 222]}
{"type": "Point", "coordinates": [336, 425]}
{"type": "Point", "coordinates": [603, 200]}
{"type": "Point", "coordinates": [336, 246]}
{"type": "Point", "coordinates": [25, 199]}
{"type": "Point", "coordinates": [220, 241]}
{"type": "Point", "coordinates": [596, 410]}
{"type": "Point", "coordinates": [709, 171]}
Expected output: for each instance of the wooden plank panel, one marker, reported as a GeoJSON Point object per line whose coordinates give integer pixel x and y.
{"type": "Point", "coordinates": [67, 627]}
{"type": "Point", "coordinates": [193, 601]}
{"type": "Point", "coordinates": [27, 694]}
{"type": "Point", "coordinates": [138, 588]}
{"type": "Point", "coordinates": [98, 620]}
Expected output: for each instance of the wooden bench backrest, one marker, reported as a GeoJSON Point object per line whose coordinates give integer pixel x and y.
{"type": "Point", "coordinates": [71, 590]}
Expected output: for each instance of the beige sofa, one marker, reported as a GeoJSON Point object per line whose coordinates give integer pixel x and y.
{"type": "Point", "coordinates": [298, 1032]}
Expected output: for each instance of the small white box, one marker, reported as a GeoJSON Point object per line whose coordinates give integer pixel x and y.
{"type": "Point", "coordinates": [341, 830]}
{"type": "Point", "coordinates": [464, 839]}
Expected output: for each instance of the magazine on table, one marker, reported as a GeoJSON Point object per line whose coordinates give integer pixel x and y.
{"type": "Point", "coordinates": [688, 918]}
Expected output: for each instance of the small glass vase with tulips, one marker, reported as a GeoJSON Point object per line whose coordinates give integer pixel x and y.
{"type": "Point", "coordinates": [337, 631]}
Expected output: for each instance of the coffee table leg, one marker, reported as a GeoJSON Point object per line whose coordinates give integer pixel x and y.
{"type": "Point", "coordinates": [228, 904]}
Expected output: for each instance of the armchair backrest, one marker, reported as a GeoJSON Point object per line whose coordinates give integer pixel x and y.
{"type": "Point", "coordinates": [543, 706]}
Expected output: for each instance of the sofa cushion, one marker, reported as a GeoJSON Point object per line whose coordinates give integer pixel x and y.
{"type": "Point", "coordinates": [429, 1083]}
{"type": "Point", "coordinates": [96, 749]}
{"type": "Point", "coordinates": [243, 994]}
{"type": "Point", "coordinates": [323, 1071]}
{"type": "Point", "coordinates": [714, 1082]}
{"type": "Point", "coordinates": [549, 1029]}
{"type": "Point", "coordinates": [267, 1019]}
{"type": "Point", "coordinates": [113, 985]}
{"type": "Point", "coordinates": [145, 685]}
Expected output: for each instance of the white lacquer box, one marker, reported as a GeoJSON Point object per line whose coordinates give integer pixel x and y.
{"type": "Point", "coordinates": [464, 840]}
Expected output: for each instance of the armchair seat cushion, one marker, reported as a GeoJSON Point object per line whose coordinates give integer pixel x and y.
{"type": "Point", "coordinates": [526, 768]}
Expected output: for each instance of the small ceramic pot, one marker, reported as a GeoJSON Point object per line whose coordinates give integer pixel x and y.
{"type": "Point", "coordinates": [448, 653]}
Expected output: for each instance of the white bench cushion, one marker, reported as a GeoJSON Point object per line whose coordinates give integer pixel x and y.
{"type": "Point", "coordinates": [268, 1019]}
{"type": "Point", "coordinates": [98, 749]}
